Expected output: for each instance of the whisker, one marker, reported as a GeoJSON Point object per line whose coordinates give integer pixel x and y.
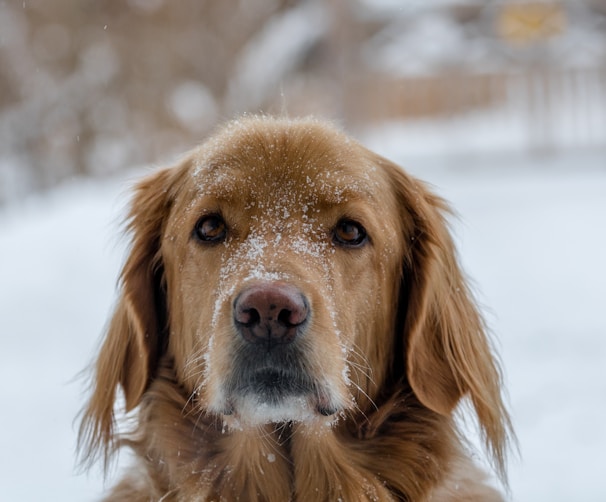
{"type": "Point", "coordinates": [370, 400]}
{"type": "Point", "coordinates": [196, 358]}
{"type": "Point", "coordinates": [273, 444]}
{"type": "Point", "coordinates": [362, 391]}
{"type": "Point", "coordinates": [362, 370]}
{"type": "Point", "coordinates": [189, 403]}
{"type": "Point", "coordinates": [168, 494]}
{"type": "Point", "coordinates": [364, 363]}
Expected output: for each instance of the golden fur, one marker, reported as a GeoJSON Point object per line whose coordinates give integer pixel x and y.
{"type": "Point", "coordinates": [391, 343]}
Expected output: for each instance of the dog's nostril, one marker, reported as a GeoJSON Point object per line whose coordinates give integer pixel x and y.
{"type": "Point", "coordinates": [286, 318]}
{"type": "Point", "coordinates": [248, 317]}
{"type": "Point", "coordinates": [270, 313]}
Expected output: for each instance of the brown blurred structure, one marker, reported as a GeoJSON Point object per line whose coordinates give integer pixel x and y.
{"type": "Point", "coordinates": [89, 87]}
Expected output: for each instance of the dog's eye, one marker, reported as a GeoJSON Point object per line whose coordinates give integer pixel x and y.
{"type": "Point", "coordinates": [211, 228]}
{"type": "Point", "coordinates": [350, 234]}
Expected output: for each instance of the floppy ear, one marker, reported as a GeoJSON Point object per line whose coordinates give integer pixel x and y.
{"type": "Point", "coordinates": [448, 354]}
{"type": "Point", "coordinates": [134, 340]}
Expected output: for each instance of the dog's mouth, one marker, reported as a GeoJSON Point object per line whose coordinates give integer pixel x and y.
{"type": "Point", "coordinates": [271, 395]}
{"type": "Point", "coordinates": [273, 385]}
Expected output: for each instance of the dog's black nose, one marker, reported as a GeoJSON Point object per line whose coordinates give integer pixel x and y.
{"type": "Point", "coordinates": [270, 313]}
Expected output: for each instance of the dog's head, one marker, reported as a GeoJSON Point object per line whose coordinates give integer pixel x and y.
{"type": "Point", "coordinates": [289, 274]}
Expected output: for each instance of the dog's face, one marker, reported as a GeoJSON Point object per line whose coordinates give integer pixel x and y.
{"type": "Point", "coordinates": [279, 265]}
{"type": "Point", "coordinates": [283, 272]}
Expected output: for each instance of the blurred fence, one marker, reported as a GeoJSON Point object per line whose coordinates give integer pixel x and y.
{"type": "Point", "coordinates": [561, 108]}
{"type": "Point", "coordinates": [550, 108]}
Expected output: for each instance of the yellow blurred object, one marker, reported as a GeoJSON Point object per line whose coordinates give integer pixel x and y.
{"type": "Point", "coordinates": [528, 23]}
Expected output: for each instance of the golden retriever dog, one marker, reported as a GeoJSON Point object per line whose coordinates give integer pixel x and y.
{"type": "Point", "coordinates": [292, 325]}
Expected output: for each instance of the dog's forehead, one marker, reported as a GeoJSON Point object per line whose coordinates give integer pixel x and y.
{"type": "Point", "coordinates": [313, 166]}
{"type": "Point", "coordinates": [295, 184]}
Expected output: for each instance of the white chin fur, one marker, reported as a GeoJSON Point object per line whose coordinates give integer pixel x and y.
{"type": "Point", "coordinates": [249, 411]}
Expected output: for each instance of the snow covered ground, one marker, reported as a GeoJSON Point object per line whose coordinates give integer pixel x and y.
{"type": "Point", "coordinates": [532, 235]}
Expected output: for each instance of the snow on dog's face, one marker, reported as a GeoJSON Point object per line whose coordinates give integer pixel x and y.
{"type": "Point", "coordinates": [276, 256]}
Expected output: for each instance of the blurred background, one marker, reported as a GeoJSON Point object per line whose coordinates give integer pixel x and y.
{"type": "Point", "coordinates": [500, 105]}
{"type": "Point", "coordinates": [90, 87]}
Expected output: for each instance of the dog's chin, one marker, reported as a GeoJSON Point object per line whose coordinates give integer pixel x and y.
{"type": "Point", "coordinates": [253, 410]}
{"type": "Point", "coordinates": [274, 395]}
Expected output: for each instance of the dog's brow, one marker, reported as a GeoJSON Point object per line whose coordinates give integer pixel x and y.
{"type": "Point", "coordinates": [218, 180]}
{"type": "Point", "coordinates": [334, 195]}
{"type": "Point", "coordinates": [227, 181]}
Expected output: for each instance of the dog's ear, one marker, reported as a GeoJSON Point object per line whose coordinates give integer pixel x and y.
{"type": "Point", "coordinates": [448, 353]}
{"type": "Point", "coordinates": [134, 339]}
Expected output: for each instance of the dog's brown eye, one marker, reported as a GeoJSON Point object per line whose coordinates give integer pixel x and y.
{"type": "Point", "coordinates": [211, 228]}
{"type": "Point", "coordinates": [349, 233]}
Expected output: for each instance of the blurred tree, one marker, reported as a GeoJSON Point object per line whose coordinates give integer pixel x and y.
{"type": "Point", "coordinates": [89, 87]}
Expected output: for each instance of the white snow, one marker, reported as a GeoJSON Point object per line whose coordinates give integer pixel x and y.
{"type": "Point", "coordinates": [58, 264]}
{"type": "Point", "coordinates": [532, 235]}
